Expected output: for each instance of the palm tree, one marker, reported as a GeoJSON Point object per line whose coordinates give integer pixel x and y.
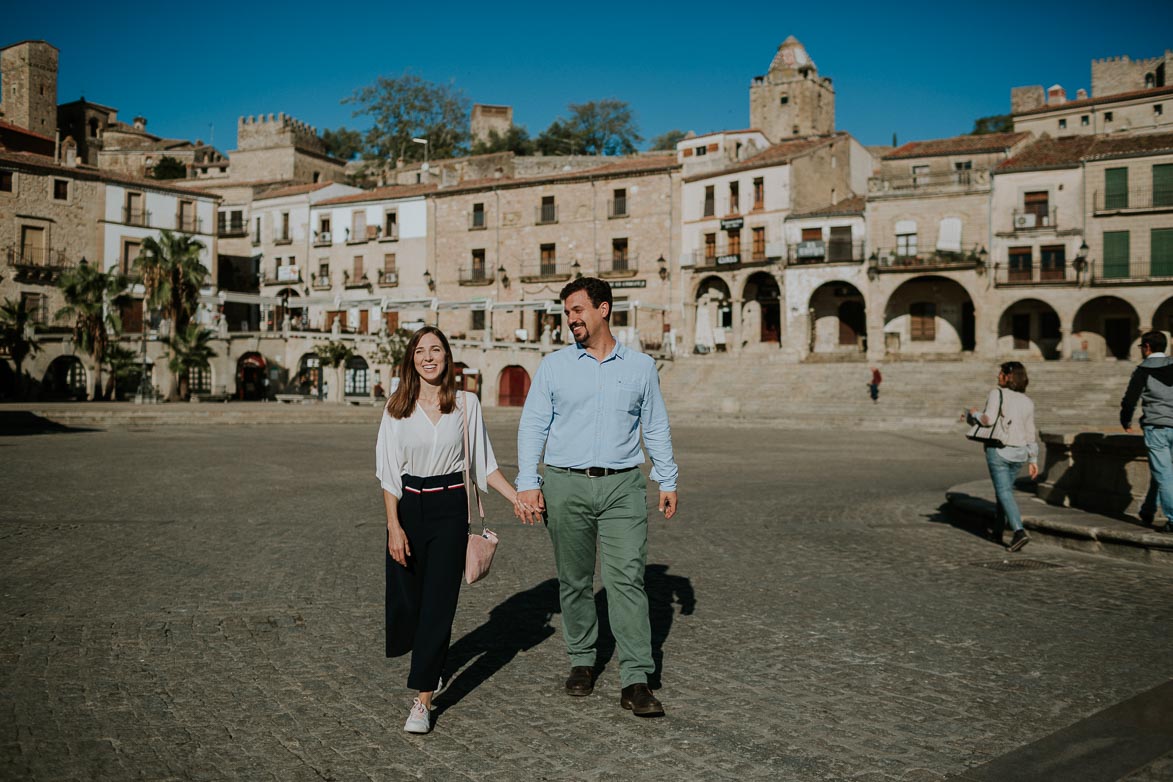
{"type": "Point", "coordinates": [124, 365]}
{"type": "Point", "coordinates": [190, 350]}
{"type": "Point", "coordinates": [172, 276]}
{"type": "Point", "coordinates": [93, 299]}
{"type": "Point", "coordinates": [17, 337]}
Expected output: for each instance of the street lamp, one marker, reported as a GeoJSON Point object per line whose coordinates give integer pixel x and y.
{"type": "Point", "coordinates": [663, 268]}
{"type": "Point", "coordinates": [429, 281]}
{"type": "Point", "coordinates": [982, 257]}
{"type": "Point", "coordinates": [503, 276]}
{"type": "Point", "coordinates": [423, 141]}
{"type": "Point", "coordinates": [1080, 262]}
{"type": "Point", "coordinates": [577, 269]}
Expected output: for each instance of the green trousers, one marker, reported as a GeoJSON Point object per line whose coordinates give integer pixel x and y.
{"type": "Point", "coordinates": [611, 511]}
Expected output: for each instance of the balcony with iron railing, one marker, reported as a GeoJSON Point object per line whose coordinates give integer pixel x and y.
{"type": "Point", "coordinates": [38, 264]}
{"type": "Point", "coordinates": [1132, 271]}
{"type": "Point", "coordinates": [323, 238]}
{"type": "Point", "coordinates": [282, 275]}
{"type": "Point", "coordinates": [361, 281]}
{"type": "Point", "coordinates": [974, 180]}
{"type": "Point", "coordinates": [705, 260]}
{"type": "Point", "coordinates": [388, 279]}
{"type": "Point", "coordinates": [321, 282]}
{"type": "Point", "coordinates": [890, 260]}
{"type": "Point", "coordinates": [618, 266]}
{"type": "Point", "coordinates": [476, 275]}
{"type": "Point", "coordinates": [546, 214]}
{"type": "Point", "coordinates": [188, 224]}
{"type": "Point", "coordinates": [1136, 199]}
{"type": "Point", "coordinates": [1035, 274]}
{"type": "Point", "coordinates": [283, 238]}
{"type": "Point", "coordinates": [545, 271]}
{"type": "Point", "coordinates": [617, 208]}
{"type": "Point", "coordinates": [229, 228]}
{"type": "Point", "coordinates": [139, 217]}
{"type": "Point", "coordinates": [824, 252]}
{"type": "Point", "coordinates": [1029, 221]}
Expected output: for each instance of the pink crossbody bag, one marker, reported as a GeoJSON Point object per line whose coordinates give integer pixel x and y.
{"type": "Point", "coordinates": [478, 557]}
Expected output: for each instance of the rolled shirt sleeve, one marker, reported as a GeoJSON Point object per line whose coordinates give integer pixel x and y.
{"type": "Point", "coordinates": [387, 467]}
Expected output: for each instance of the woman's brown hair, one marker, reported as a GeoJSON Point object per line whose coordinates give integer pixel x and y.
{"type": "Point", "coordinates": [402, 402]}
{"type": "Point", "coordinates": [1015, 373]}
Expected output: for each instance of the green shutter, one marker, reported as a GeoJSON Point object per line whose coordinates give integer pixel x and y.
{"type": "Point", "coordinates": [1116, 188]}
{"type": "Point", "coordinates": [1163, 185]}
{"type": "Point", "coordinates": [1162, 252]}
{"type": "Point", "coordinates": [1115, 254]}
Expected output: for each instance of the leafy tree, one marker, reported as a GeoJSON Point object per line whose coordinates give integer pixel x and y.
{"type": "Point", "coordinates": [93, 299]}
{"type": "Point", "coordinates": [169, 168]}
{"type": "Point", "coordinates": [393, 348]}
{"type": "Point", "coordinates": [559, 139]}
{"type": "Point", "coordinates": [515, 140]}
{"type": "Point", "coordinates": [999, 123]}
{"type": "Point", "coordinates": [335, 354]}
{"type": "Point", "coordinates": [17, 337]}
{"type": "Point", "coordinates": [406, 107]}
{"type": "Point", "coordinates": [600, 127]}
{"type": "Point", "coordinates": [190, 349]}
{"type": "Point", "coordinates": [172, 276]}
{"type": "Point", "coordinates": [343, 143]}
{"type": "Point", "coordinates": [668, 140]}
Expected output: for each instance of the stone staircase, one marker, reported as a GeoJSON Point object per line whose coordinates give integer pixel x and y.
{"type": "Point", "coordinates": [926, 396]}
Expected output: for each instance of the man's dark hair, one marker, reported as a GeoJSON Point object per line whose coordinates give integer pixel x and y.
{"type": "Point", "coordinates": [598, 290]}
{"type": "Point", "coordinates": [1155, 340]}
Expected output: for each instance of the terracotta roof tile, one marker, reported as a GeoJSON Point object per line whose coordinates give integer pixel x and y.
{"type": "Point", "coordinates": [850, 206]}
{"type": "Point", "coordinates": [1153, 92]}
{"type": "Point", "coordinates": [25, 131]}
{"type": "Point", "coordinates": [380, 194]}
{"type": "Point", "coordinates": [1070, 151]}
{"type": "Point", "coordinates": [282, 192]}
{"type": "Point", "coordinates": [88, 172]}
{"type": "Point", "coordinates": [957, 145]}
{"type": "Point", "coordinates": [773, 155]}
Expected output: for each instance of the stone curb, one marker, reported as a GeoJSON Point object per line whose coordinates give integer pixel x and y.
{"type": "Point", "coordinates": [1067, 527]}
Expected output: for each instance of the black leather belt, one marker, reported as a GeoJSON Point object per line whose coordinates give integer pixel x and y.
{"type": "Point", "coordinates": [595, 472]}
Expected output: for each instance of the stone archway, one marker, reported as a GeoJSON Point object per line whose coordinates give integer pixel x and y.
{"type": "Point", "coordinates": [1163, 318]}
{"type": "Point", "coordinates": [1030, 328]}
{"type": "Point", "coordinates": [308, 379]}
{"type": "Point", "coordinates": [761, 317]}
{"type": "Point", "coordinates": [838, 319]}
{"type": "Point", "coordinates": [250, 377]}
{"type": "Point", "coordinates": [1106, 327]}
{"type": "Point", "coordinates": [714, 315]}
{"type": "Point", "coordinates": [512, 386]}
{"type": "Point", "coordinates": [64, 379]}
{"type": "Point", "coordinates": [929, 316]}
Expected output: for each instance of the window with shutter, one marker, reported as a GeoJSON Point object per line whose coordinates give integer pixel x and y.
{"type": "Point", "coordinates": [1115, 254]}
{"type": "Point", "coordinates": [923, 316]}
{"type": "Point", "coordinates": [1116, 188]}
{"type": "Point", "coordinates": [1163, 184]}
{"type": "Point", "coordinates": [1161, 248]}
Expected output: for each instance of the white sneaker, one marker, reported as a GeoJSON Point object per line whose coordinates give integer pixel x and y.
{"type": "Point", "coordinates": [419, 720]}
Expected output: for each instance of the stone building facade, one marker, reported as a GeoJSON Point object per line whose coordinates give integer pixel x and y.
{"type": "Point", "coordinates": [28, 71]}
{"type": "Point", "coordinates": [278, 146]}
{"type": "Point", "coordinates": [1113, 75]}
{"type": "Point", "coordinates": [791, 100]}
{"type": "Point", "coordinates": [488, 119]}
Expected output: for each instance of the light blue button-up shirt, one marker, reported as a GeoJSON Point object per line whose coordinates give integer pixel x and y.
{"type": "Point", "coordinates": [588, 413]}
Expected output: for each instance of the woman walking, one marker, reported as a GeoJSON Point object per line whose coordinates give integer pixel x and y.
{"type": "Point", "coordinates": [1011, 414]}
{"type": "Point", "coordinates": [420, 459]}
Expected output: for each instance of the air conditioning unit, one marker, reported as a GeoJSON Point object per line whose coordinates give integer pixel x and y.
{"type": "Point", "coordinates": [325, 236]}
{"type": "Point", "coordinates": [1025, 221]}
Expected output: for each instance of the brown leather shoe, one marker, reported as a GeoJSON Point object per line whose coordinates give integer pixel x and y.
{"type": "Point", "coordinates": [639, 700]}
{"type": "Point", "coordinates": [581, 680]}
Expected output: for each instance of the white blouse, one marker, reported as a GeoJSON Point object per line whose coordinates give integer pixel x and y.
{"type": "Point", "coordinates": [416, 446]}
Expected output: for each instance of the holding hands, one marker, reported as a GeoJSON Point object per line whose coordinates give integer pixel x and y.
{"type": "Point", "coordinates": [529, 506]}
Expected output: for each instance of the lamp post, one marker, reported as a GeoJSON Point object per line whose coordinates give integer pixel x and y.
{"type": "Point", "coordinates": [423, 141]}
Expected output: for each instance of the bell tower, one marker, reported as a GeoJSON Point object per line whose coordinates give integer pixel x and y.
{"type": "Point", "coordinates": [792, 100]}
{"type": "Point", "coordinates": [28, 72]}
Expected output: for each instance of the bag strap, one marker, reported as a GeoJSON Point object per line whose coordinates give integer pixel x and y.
{"type": "Point", "coordinates": [467, 464]}
{"type": "Point", "coordinates": [999, 415]}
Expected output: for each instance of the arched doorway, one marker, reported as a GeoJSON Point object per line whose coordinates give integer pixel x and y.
{"type": "Point", "coordinates": [291, 306]}
{"type": "Point", "coordinates": [308, 379]}
{"type": "Point", "coordinates": [250, 377]}
{"type": "Point", "coordinates": [512, 387]}
{"type": "Point", "coordinates": [838, 319]}
{"type": "Point", "coordinates": [467, 379]}
{"type": "Point", "coordinates": [1108, 326]}
{"type": "Point", "coordinates": [1029, 328]}
{"type": "Point", "coordinates": [762, 304]}
{"type": "Point", "coordinates": [64, 379]}
{"type": "Point", "coordinates": [714, 315]}
{"type": "Point", "coordinates": [929, 315]}
{"type": "Point", "coordinates": [1163, 318]}
{"type": "Point", "coordinates": [358, 377]}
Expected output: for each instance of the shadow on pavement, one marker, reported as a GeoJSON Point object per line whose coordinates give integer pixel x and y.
{"type": "Point", "coordinates": [523, 621]}
{"type": "Point", "coordinates": [974, 525]}
{"type": "Point", "coordinates": [15, 423]}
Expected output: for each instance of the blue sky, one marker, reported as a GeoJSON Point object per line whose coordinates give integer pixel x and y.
{"type": "Point", "coordinates": [920, 70]}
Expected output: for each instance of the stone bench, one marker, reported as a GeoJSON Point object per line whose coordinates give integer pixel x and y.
{"type": "Point", "coordinates": [1101, 472]}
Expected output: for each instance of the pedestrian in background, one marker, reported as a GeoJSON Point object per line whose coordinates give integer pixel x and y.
{"type": "Point", "coordinates": [874, 386]}
{"type": "Point", "coordinates": [586, 409]}
{"type": "Point", "coordinates": [1012, 415]}
{"type": "Point", "coordinates": [1152, 385]}
{"type": "Point", "coordinates": [420, 461]}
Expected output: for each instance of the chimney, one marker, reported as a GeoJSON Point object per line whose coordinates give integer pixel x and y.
{"type": "Point", "coordinates": [1056, 95]}
{"type": "Point", "coordinates": [140, 123]}
{"type": "Point", "coordinates": [1081, 94]}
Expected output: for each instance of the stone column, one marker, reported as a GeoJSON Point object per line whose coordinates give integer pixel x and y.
{"type": "Point", "coordinates": [735, 342]}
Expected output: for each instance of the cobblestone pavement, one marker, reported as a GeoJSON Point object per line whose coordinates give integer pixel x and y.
{"type": "Point", "coordinates": [191, 603]}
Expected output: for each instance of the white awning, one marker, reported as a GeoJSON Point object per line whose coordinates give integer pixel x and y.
{"type": "Point", "coordinates": [235, 297]}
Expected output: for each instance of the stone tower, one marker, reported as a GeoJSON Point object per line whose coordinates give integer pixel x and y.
{"type": "Point", "coordinates": [28, 72]}
{"type": "Point", "coordinates": [791, 100]}
{"type": "Point", "coordinates": [487, 118]}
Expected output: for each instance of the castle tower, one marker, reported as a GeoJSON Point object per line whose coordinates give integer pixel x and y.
{"type": "Point", "coordinates": [486, 118]}
{"type": "Point", "coordinates": [792, 100]}
{"type": "Point", "coordinates": [28, 71]}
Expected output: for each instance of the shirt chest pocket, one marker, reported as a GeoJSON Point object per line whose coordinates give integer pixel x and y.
{"type": "Point", "coordinates": [624, 398]}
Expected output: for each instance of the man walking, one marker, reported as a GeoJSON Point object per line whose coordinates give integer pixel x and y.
{"type": "Point", "coordinates": [1152, 384]}
{"type": "Point", "coordinates": [587, 406]}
